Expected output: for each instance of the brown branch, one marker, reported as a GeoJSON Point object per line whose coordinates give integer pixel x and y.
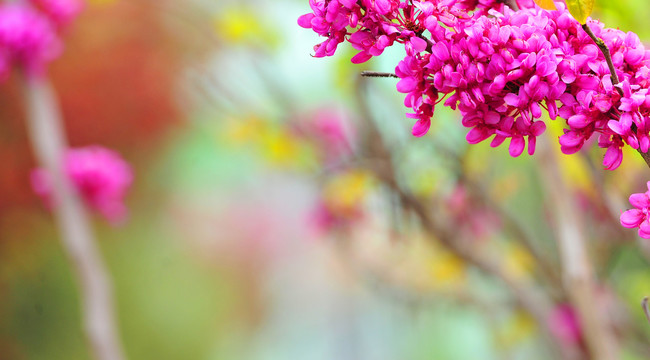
{"type": "Point", "coordinates": [49, 143]}
{"type": "Point", "coordinates": [511, 4]}
{"type": "Point", "coordinates": [645, 156]}
{"type": "Point", "coordinates": [527, 297]}
{"type": "Point", "coordinates": [546, 268]}
{"type": "Point", "coordinates": [367, 73]}
{"type": "Point", "coordinates": [608, 56]}
{"type": "Point", "coordinates": [646, 309]}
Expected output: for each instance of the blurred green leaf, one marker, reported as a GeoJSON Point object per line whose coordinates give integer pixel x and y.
{"type": "Point", "coordinates": [580, 9]}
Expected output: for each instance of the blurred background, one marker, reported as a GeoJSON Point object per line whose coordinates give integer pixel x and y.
{"type": "Point", "coordinates": [274, 213]}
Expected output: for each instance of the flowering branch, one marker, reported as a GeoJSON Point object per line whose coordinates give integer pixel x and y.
{"type": "Point", "coordinates": [500, 78]}
{"type": "Point", "coordinates": [612, 70]}
{"type": "Point", "coordinates": [49, 143]}
{"type": "Point", "coordinates": [608, 56]}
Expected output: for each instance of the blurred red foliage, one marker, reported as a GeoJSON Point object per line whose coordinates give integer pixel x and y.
{"type": "Point", "coordinates": [116, 86]}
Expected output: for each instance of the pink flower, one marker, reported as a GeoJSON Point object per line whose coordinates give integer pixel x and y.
{"type": "Point", "coordinates": [323, 218]}
{"type": "Point", "coordinates": [501, 68]}
{"type": "Point", "coordinates": [100, 176]}
{"type": "Point", "coordinates": [638, 217]}
{"type": "Point", "coordinates": [27, 38]}
{"type": "Point", "coordinates": [331, 132]}
{"type": "Point", "coordinates": [564, 325]}
{"type": "Point", "coordinates": [475, 221]}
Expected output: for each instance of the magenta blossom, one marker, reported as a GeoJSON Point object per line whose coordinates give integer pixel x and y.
{"type": "Point", "coordinates": [502, 69]}
{"type": "Point", "coordinates": [27, 38]}
{"type": "Point", "coordinates": [638, 217]}
{"type": "Point", "coordinates": [331, 132]}
{"type": "Point", "coordinates": [100, 176]}
{"type": "Point", "coordinates": [564, 325]}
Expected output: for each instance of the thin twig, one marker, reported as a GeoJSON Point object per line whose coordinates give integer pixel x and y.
{"type": "Point", "coordinates": [527, 297]}
{"type": "Point", "coordinates": [646, 309]}
{"type": "Point", "coordinates": [367, 73]}
{"type": "Point", "coordinates": [547, 269]}
{"type": "Point", "coordinates": [49, 143]}
{"type": "Point", "coordinates": [512, 4]}
{"type": "Point", "coordinates": [608, 57]}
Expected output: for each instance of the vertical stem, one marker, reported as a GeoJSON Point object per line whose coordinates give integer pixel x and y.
{"type": "Point", "coordinates": [49, 144]}
{"type": "Point", "coordinates": [578, 275]}
{"type": "Point", "coordinates": [608, 56]}
{"type": "Point", "coordinates": [646, 309]}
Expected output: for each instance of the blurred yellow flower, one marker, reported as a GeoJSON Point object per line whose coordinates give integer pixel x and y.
{"type": "Point", "coordinates": [242, 25]}
{"type": "Point", "coordinates": [279, 147]}
{"type": "Point", "coordinates": [518, 262]}
{"type": "Point", "coordinates": [274, 143]}
{"type": "Point", "coordinates": [446, 269]}
{"type": "Point", "coordinates": [345, 192]}
{"type": "Point", "coordinates": [243, 131]}
{"type": "Point", "coordinates": [426, 182]}
{"type": "Point", "coordinates": [518, 328]}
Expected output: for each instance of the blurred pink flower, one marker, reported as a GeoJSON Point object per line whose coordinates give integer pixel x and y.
{"type": "Point", "coordinates": [27, 38]}
{"type": "Point", "coordinates": [100, 175]}
{"type": "Point", "coordinates": [331, 131]}
{"type": "Point", "coordinates": [331, 128]}
{"type": "Point", "coordinates": [61, 12]}
{"type": "Point", "coordinates": [564, 324]}
{"type": "Point", "coordinates": [323, 219]}
{"type": "Point", "coordinates": [478, 221]}
{"type": "Point", "coordinates": [638, 217]}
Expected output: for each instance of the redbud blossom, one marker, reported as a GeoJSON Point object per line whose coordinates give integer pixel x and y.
{"type": "Point", "coordinates": [638, 217]}
{"type": "Point", "coordinates": [101, 177]}
{"type": "Point", "coordinates": [564, 325]}
{"type": "Point", "coordinates": [27, 38]}
{"type": "Point", "coordinates": [501, 68]}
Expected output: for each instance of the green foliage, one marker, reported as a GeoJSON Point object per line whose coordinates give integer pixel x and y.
{"type": "Point", "coordinates": [580, 9]}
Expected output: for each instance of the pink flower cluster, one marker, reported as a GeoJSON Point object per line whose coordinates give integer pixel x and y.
{"type": "Point", "coordinates": [331, 132]}
{"type": "Point", "coordinates": [619, 114]}
{"type": "Point", "coordinates": [639, 217]}
{"type": "Point", "coordinates": [501, 68]}
{"type": "Point", "coordinates": [29, 32]}
{"type": "Point", "coordinates": [501, 71]}
{"type": "Point", "coordinates": [564, 325]}
{"type": "Point", "coordinates": [373, 25]}
{"type": "Point", "coordinates": [498, 71]}
{"type": "Point", "coordinates": [101, 177]}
